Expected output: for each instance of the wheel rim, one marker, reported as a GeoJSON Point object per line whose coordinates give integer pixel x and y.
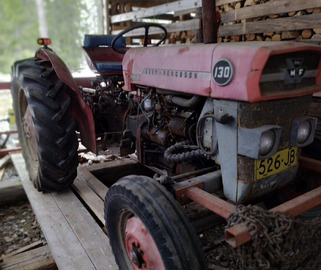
{"type": "Point", "coordinates": [28, 134]}
{"type": "Point", "coordinates": [138, 245]}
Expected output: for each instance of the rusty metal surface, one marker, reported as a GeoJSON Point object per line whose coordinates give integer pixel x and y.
{"type": "Point", "coordinates": [5, 85]}
{"type": "Point", "coordinates": [310, 164]}
{"type": "Point", "coordinates": [210, 201]}
{"type": "Point", "coordinates": [209, 21]}
{"type": "Point", "coordinates": [5, 152]}
{"type": "Point", "coordinates": [181, 193]}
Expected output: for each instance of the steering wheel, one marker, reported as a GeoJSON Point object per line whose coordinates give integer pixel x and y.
{"type": "Point", "coordinates": [146, 26]}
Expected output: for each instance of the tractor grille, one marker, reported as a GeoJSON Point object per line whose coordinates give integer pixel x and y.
{"type": "Point", "coordinates": [290, 73]}
{"type": "Point", "coordinates": [275, 112]}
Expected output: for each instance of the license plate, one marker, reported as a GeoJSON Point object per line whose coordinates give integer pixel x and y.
{"type": "Point", "coordinates": [279, 162]}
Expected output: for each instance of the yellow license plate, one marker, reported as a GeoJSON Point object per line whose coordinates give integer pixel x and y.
{"type": "Point", "coordinates": [279, 162]}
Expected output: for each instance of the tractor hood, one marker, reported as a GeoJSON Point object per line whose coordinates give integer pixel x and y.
{"type": "Point", "coordinates": [246, 71]}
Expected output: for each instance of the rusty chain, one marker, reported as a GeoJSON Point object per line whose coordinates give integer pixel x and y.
{"type": "Point", "coordinates": [279, 242]}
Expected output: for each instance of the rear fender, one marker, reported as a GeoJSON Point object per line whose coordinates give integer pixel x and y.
{"type": "Point", "coordinates": [80, 111]}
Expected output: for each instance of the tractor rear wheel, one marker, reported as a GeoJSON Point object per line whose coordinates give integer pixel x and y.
{"type": "Point", "coordinates": [45, 125]}
{"type": "Point", "coordinates": [147, 229]}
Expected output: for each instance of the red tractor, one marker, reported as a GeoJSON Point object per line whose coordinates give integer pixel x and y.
{"type": "Point", "coordinates": [227, 118]}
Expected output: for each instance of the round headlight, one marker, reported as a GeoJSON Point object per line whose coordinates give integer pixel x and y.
{"type": "Point", "coordinates": [304, 131]}
{"type": "Point", "coordinates": [267, 142]}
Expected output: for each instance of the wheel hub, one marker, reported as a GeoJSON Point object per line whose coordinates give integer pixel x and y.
{"type": "Point", "coordinates": [140, 246]}
{"type": "Point", "coordinates": [136, 256]}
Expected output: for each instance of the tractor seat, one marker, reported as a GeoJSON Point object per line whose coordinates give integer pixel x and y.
{"type": "Point", "coordinates": [103, 40]}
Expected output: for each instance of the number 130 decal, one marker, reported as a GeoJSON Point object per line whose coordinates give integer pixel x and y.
{"type": "Point", "coordinates": [223, 72]}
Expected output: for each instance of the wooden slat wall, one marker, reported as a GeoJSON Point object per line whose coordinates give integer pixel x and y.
{"type": "Point", "coordinates": [239, 17]}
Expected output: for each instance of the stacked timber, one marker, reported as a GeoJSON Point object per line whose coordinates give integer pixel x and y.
{"type": "Point", "coordinates": [270, 20]}
{"type": "Point", "coordinates": [242, 20]}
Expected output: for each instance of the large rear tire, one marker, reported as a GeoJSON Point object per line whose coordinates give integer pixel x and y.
{"type": "Point", "coordinates": [45, 125]}
{"type": "Point", "coordinates": [147, 229]}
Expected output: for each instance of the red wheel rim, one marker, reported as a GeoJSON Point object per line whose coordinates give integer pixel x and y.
{"type": "Point", "coordinates": [140, 246]}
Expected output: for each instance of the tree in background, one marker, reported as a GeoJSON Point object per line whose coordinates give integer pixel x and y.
{"type": "Point", "coordinates": [67, 21]}
{"type": "Point", "coordinates": [18, 32]}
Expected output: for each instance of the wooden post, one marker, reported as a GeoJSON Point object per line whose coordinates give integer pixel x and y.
{"type": "Point", "coordinates": [107, 17]}
{"type": "Point", "coordinates": [209, 21]}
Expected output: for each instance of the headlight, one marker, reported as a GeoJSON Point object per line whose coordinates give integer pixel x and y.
{"type": "Point", "coordinates": [304, 131]}
{"type": "Point", "coordinates": [259, 143]}
{"type": "Point", "coordinates": [267, 142]}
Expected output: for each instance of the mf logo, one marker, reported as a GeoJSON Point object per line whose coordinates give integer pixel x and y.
{"type": "Point", "coordinates": [295, 71]}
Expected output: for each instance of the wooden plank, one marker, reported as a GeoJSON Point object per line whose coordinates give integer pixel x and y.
{"type": "Point", "coordinates": [156, 10]}
{"type": "Point", "coordinates": [75, 239]}
{"type": "Point", "coordinates": [91, 236]}
{"type": "Point", "coordinates": [97, 186]}
{"type": "Point", "coordinates": [177, 6]}
{"type": "Point", "coordinates": [11, 191]}
{"type": "Point", "coordinates": [95, 203]}
{"type": "Point", "coordinates": [24, 249]}
{"type": "Point", "coordinates": [269, 8]}
{"type": "Point", "coordinates": [171, 28]}
{"type": "Point", "coordinates": [35, 259]}
{"type": "Point", "coordinates": [4, 161]}
{"type": "Point", "coordinates": [225, 2]}
{"type": "Point", "coordinates": [275, 25]}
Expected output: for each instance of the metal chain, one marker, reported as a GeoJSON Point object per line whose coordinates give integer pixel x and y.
{"type": "Point", "coordinates": [279, 242]}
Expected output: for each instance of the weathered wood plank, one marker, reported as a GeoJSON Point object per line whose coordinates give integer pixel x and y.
{"type": "Point", "coordinates": [95, 203]}
{"type": "Point", "coordinates": [4, 161]}
{"type": "Point", "coordinates": [75, 239]}
{"type": "Point", "coordinates": [171, 28]}
{"type": "Point", "coordinates": [97, 186]}
{"type": "Point", "coordinates": [92, 238]}
{"type": "Point", "coordinates": [35, 259]}
{"type": "Point", "coordinates": [275, 25]}
{"type": "Point", "coordinates": [24, 249]}
{"type": "Point", "coordinates": [11, 191]}
{"type": "Point", "coordinates": [269, 8]}
{"type": "Point", "coordinates": [177, 6]}
{"type": "Point", "coordinates": [225, 2]}
{"type": "Point", "coordinates": [156, 10]}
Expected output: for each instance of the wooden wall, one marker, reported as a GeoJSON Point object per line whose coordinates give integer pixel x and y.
{"type": "Point", "coordinates": [241, 20]}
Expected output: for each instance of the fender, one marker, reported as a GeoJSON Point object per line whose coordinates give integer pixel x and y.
{"type": "Point", "coordinates": [80, 111]}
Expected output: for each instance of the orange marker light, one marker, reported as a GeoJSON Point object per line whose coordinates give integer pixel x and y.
{"type": "Point", "coordinates": [44, 41]}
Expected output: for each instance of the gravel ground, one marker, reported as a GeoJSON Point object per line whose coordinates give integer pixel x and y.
{"type": "Point", "coordinates": [18, 224]}
{"type": "Point", "coordinates": [19, 227]}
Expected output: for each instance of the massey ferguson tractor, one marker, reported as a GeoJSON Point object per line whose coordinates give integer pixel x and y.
{"type": "Point", "coordinates": [222, 124]}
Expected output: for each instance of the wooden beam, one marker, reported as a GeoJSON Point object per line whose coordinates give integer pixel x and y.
{"type": "Point", "coordinates": [11, 191]}
{"type": "Point", "coordinates": [35, 259]}
{"type": "Point", "coordinates": [177, 6]}
{"type": "Point", "coordinates": [95, 184]}
{"type": "Point", "coordinates": [157, 10]}
{"type": "Point", "coordinates": [95, 203]}
{"type": "Point", "coordinates": [171, 28]}
{"type": "Point", "coordinates": [276, 25]}
{"type": "Point", "coordinates": [226, 2]}
{"type": "Point", "coordinates": [24, 249]}
{"type": "Point", "coordinates": [142, 2]}
{"type": "Point", "coordinates": [269, 8]}
{"type": "Point", "coordinates": [4, 161]}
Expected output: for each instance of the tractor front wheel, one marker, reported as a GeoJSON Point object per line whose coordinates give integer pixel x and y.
{"type": "Point", "coordinates": [45, 125]}
{"type": "Point", "coordinates": [147, 229]}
